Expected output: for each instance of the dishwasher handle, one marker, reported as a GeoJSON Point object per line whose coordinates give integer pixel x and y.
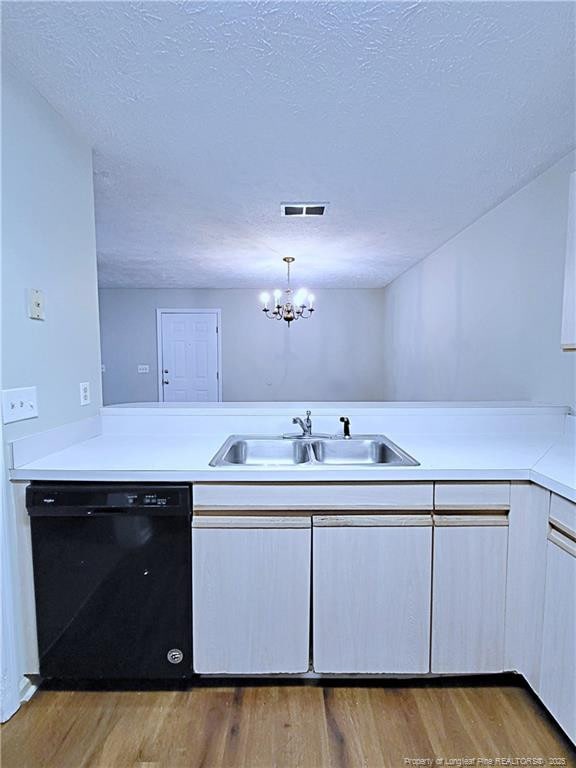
{"type": "Point", "coordinates": [81, 512]}
{"type": "Point", "coordinates": [99, 512]}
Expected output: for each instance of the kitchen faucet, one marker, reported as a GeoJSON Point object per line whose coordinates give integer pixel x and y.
{"type": "Point", "coordinates": [346, 422]}
{"type": "Point", "coordinates": [306, 425]}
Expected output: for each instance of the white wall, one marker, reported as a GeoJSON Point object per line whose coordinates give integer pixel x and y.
{"type": "Point", "coordinates": [48, 242]}
{"type": "Point", "coordinates": [480, 318]}
{"type": "Point", "coordinates": [9, 645]}
{"type": "Point", "coordinates": [336, 355]}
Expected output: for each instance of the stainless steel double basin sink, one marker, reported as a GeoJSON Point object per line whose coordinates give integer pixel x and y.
{"type": "Point", "coordinates": [360, 450]}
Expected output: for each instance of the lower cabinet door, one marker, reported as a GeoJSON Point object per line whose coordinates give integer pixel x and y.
{"type": "Point", "coordinates": [251, 594]}
{"type": "Point", "coordinates": [469, 598]}
{"type": "Point", "coordinates": [558, 667]}
{"type": "Point", "coordinates": [526, 579]}
{"type": "Point", "coordinates": [371, 593]}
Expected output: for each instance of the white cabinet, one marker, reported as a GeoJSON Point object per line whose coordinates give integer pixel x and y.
{"type": "Point", "coordinates": [558, 665]}
{"type": "Point", "coordinates": [468, 599]}
{"type": "Point", "coordinates": [469, 578]}
{"type": "Point", "coordinates": [461, 578]}
{"type": "Point", "coordinates": [371, 593]}
{"type": "Point", "coordinates": [317, 497]}
{"type": "Point", "coordinates": [251, 594]}
{"type": "Point", "coordinates": [527, 538]}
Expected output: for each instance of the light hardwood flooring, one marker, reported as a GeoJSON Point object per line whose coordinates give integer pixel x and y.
{"type": "Point", "coordinates": [371, 725]}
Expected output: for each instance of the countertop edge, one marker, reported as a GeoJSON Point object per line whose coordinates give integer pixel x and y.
{"type": "Point", "coordinates": [412, 474]}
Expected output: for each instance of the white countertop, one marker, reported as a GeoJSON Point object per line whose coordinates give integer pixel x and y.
{"type": "Point", "coordinates": [547, 458]}
{"type": "Point", "coordinates": [556, 470]}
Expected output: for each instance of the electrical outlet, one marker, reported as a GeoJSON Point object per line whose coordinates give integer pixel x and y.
{"type": "Point", "coordinates": [19, 404]}
{"type": "Point", "coordinates": [36, 310]}
{"type": "Point", "coordinates": [103, 368]}
{"type": "Point", "coordinates": [143, 369]}
{"type": "Point", "coordinates": [85, 393]}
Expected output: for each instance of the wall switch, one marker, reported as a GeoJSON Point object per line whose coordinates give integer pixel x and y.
{"type": "Point", "coordinates": [85, 393]}
{"type": "Point", "coordinates": [143, 369]}
{"type": "Point", "coordinates": [19, 404]}
{"type": "Point", "coordinates": [36, 310]}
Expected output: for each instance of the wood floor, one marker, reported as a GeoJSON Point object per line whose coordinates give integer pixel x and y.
{"type": "Point", "coordinates": [285, 726]}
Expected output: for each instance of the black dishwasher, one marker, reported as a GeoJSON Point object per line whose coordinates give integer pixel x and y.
{"type": "Point", "coordinates": [113, 580]}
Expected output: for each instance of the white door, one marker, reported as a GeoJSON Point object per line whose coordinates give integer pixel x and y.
{"type": "Point", "coordinates": [527, 532]}
{"type": "Point", "coordinates": [251, 594]}
{"type": "Point", "coordinates": [468, 595]}
{"type": "Point", "coordinates": [558, 671]}
{"type": "Point", "coordinates": [189, 356]}
{"type": "Point", "coordinates": [372, 580]}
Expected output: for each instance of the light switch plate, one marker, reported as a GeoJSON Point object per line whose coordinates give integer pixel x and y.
{"type": "Point", "coordinates": [85, 393]}
{"type": "Point", "coordinates": [143, 369]}
{"type": "Point", "coordinates": [36, 309]}
{"type": "Point", "coordinates": [19, 404]}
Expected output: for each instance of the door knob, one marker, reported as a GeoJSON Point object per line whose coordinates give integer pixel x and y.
{"type": "Point", "coordinates": [165, 381]}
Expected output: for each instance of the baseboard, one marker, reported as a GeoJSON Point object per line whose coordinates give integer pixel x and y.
{"type": "Point", "coordinates": [27, 689]}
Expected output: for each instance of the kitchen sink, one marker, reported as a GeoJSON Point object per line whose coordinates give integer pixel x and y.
{"type": "Point", "coordinates": [360, 450]}
{"type": "Point", "coordinates": [375, 450]}
{"type": "Point", "coordinates": [262, 451]}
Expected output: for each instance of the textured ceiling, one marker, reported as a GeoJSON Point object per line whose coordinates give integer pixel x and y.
{"type": "Point", "coordinates": [412, 119]}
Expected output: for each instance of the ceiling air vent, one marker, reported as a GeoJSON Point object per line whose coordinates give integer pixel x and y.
{"type": "Point", "coordinates": [303, 209]}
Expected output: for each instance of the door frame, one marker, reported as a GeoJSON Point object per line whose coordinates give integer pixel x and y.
{"type": "Point", "coordinates": [176, 311]}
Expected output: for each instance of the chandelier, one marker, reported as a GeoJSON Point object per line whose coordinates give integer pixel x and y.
{"type": "Point", "coordinates": [287, 305]}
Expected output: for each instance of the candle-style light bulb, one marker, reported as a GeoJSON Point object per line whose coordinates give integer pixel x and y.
{"type": "Point", "coordinates": [265, 298]}
{"type": "Point", "coordinates": [311, 298]}
{"type": "Point", "coordinates": [277, 294]}
{"type": "Point", "coordinates": [300, 298]}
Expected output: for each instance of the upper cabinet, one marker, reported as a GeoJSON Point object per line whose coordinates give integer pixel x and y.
{"type": "Point", "coordinates": [569, 305]}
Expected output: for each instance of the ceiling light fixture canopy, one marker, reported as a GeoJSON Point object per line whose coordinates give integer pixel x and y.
{"type": "Point", "coordinates": [288, 305]}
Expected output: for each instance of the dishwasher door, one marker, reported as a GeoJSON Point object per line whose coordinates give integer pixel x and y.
{"type": "Point", "coordinates": [112, 577]}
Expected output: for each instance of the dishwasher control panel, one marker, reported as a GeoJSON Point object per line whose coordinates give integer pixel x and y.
{"type": "Point", "coordinates": [43, 498]}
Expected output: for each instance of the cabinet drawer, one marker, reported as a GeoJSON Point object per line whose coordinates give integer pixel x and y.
{"type": "Point", "coordinates": [563, 512]}
{"type": "Point", "coordinates": [251, 521]}
{"type": "Point", "coordinates": [471, 517]}
{"type": "Point", "coordinates": [472, 496]}
{"type": "Point", "coordinates": [373, 521]}
{"type": "Point", "coordinates": [312, 496]}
